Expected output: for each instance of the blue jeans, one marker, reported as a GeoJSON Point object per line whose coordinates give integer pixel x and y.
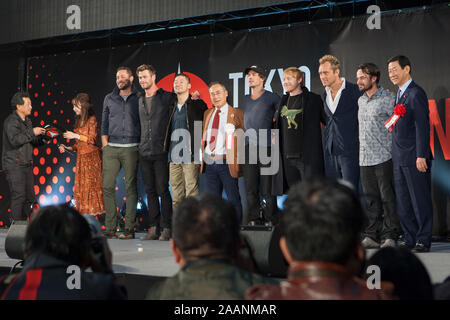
{"type": "Point", "coordinates": [218, 178]}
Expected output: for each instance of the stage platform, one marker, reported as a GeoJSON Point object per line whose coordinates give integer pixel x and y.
{"type": "Point", "coordinates": [153, 259]}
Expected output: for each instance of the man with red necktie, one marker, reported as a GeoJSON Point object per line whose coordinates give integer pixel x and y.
{"type": "Point", "coordinates": [220, 162]}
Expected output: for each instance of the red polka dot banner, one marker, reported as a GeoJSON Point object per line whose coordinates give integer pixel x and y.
{"type": "Point", "coordinates": [51, 106]}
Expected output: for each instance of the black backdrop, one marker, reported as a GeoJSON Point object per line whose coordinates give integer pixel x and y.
{"type": "Point", "coordinates": [421, 35]}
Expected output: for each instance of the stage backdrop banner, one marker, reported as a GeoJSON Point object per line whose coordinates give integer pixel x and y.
{"type": "Point", "coordinates": [421, 35]}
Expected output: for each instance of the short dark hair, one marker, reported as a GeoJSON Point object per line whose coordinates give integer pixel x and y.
{"type": "Point", "coordinates": [144, 67]}
{"type": "Point", "coordinates": [59, 231]}
{"type": "Point", "coordinates": [371, 69]}
{"type": "Point", "coordinates": [400, 266]}
{"type": "Point", "coordinates": [206, 228]}
{"type": "Point", "coordinates": [128, 70]}
{"type": "Point", "coordinates": [403, 61]}
{"type": "Point", "coordinates": [182, 75]}
{"type": "Point", "coordinates": [322, 221]}
{"type": "Point", "coordinates": [17, 99]}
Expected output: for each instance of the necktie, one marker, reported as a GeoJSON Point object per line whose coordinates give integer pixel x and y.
{"type": "Point", "coordinates": [214, 131]}
{"type": "Point", "coordinates": [399, 95]}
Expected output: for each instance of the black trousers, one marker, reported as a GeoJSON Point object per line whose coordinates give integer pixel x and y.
{"type": "Point", "coordinates": [155, 173]}
{"type": "Point", "coordinates": [257, 184]}
{"type": "Point", "coordinates": [21, 186]}
{"type": "Point", "coordinates": [294, 170]}
{"type": "Point", "coordinates": [378, 187]}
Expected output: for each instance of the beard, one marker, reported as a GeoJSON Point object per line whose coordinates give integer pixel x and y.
{"type": "Point", "coordinates": [124, 85]}
{"type": "Point", "coordinates": [367, 88]}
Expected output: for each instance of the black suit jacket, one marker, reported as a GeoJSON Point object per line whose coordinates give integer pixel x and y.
{"type": "Point", "coordinates": [411, 134]}
{"type": "Point", "coordinates": [313, 116]}
{"type": "Point", "coordinates": [341, 136]}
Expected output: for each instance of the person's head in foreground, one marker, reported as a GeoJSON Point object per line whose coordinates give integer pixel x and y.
{"type": "Point", "coordinates": [60, 232]}
{"type": "Point", "coordinates": [408, 274]}
{"type": "Point", "coordinates": [60, 244]}
{"type": "Point", "coordinates": [206, 244]}
{"type": "Point", "coordinates": [321, 240]}
{"type": "Point", "coordinates": [205, 228]}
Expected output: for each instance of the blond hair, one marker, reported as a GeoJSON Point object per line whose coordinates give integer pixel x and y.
{"type": "Point", "coordinates": [294, 71]}
{"type": "Point", "coordinates": [144, 67]}
{"type": "Point", "coordinates": [334, 62]}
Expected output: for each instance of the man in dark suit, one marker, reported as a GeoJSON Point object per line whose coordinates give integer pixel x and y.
{"type": "Point", "coordinates": [411, 156]}
{"type": "Point", "coordinates": [340, 137]}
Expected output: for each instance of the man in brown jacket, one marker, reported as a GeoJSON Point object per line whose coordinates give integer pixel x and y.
{"type": "Point", "coordinates": [222, 132]}
{"type": "Point", "coordinates": [321, 240]}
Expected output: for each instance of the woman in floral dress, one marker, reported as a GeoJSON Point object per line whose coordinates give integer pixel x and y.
{"type": "Point", "coordinates": [88, 192]}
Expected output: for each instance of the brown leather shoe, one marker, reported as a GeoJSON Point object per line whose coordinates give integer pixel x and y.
{"type": "Point", "coordinates": [152, 234]}
{"type": "Point", "coordinates": [165, 235]}
{"type": "Point", "coordinates": [111, 234]}
{"type": "Point", "coordinates": [127, 235]}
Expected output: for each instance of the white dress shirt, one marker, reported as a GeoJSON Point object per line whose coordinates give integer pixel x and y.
{"type": "Point", "coordinates": [332, 104]}
{"type": "Point", "coordinates": [221, 136]}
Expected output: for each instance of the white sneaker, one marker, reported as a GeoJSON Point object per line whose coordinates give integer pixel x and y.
{"type": "Point", "coordinates": [368, 243]}
{"type": "Point", "coordinates": [388, 243]}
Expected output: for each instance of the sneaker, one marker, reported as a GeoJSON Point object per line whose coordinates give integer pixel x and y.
{"type": "Point", "coordinates": [388, 243]}
{"type": "Point", "coordinates": [368, 243]}
{"type": "Point", "coordinates": [256, 222]}
{"type": "Point", "coordinates": [111, 234]}
{"type": "Point", "coordinates": [420, 248]}
{"type": "Point", "coordinates": [152, 234]}
{"type": "Point", "coordinates": [165, 235]}
{"type": "Point", "coordinates": [127, 235]}
{"type": "Point", "coordinates": [404, 245]}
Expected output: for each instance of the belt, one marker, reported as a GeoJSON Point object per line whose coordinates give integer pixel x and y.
{"type": "Point", "coordinates": [216, 157]}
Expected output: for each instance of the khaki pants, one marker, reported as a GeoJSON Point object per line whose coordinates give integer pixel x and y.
{"type": "Point", "coordinates": [114, 159]}
{"type": "Point", "coordinates": [183, 180]}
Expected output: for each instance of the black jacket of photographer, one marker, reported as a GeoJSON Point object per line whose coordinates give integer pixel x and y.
{"type": "Point", "coordinates": [45, 277]}
{"type": "Point", "coordinates": [194, 112]}
{"type": "Point", "coordinates": [18, 142]}
{"type": "Point", "coordinates": [154, 122]}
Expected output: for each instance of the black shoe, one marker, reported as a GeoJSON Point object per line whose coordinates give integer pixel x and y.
{"type": "Point", "coordinates": [419, 248]}
{"type": "Point", "coordinates": [404, 245]}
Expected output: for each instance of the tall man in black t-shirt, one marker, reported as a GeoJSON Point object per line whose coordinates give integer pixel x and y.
{"type": "Point", "coordinates": [259, 108]}
{"type": "Point", "coordinates": [298, 118]}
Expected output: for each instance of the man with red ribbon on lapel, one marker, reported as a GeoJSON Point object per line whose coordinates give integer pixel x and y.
{"type": "Point", "coordinates": [220, 163]}
{"type": "Point", "coordinates": [411, 156]}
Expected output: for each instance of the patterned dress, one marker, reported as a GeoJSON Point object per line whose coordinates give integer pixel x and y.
{"type": "Point", "coordinates": [88, 192]}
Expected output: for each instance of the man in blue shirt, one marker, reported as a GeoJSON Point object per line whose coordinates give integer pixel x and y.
{"type": "Point", "coordinates": [120, 133]}
{"type": "Point", "coordinates": [259, 108]}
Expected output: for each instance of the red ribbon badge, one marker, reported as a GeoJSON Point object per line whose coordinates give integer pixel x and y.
{"type": "Point", "coordinates": [399, 111]}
